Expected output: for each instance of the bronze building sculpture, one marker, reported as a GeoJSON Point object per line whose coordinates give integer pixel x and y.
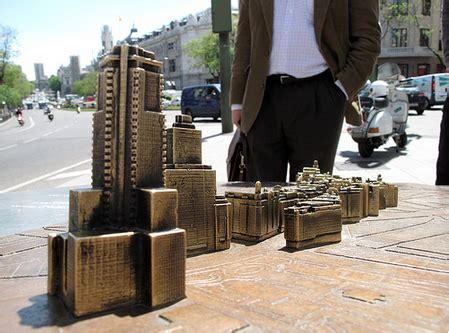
{"type": "Point", "coordinates": [310, 212]}
{"type": "Point", "coordinates": [123, 246]}
{"type": "Point", "coordinates": [205, 217]}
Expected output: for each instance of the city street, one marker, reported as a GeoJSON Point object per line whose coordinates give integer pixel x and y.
{"type": "Point", "coordinates": [42, 160]}
{"type": "Point", "coordinates": [391, 267]}
{"type": "Point", "coordinates": [33, 156]}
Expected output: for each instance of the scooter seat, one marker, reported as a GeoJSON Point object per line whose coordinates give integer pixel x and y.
{"type": "Point", "coordinates": [380, 102]}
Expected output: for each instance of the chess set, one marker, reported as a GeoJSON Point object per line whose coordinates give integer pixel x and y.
{"type": "Point", "coordinates": [153, 203]}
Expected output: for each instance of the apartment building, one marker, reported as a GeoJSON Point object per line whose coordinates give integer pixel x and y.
{"type": "Point", "coordinates": [168, 43]}
{"type": "Point", "coordinates": [411, 36]}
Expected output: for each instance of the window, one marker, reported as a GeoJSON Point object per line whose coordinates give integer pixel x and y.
{"type": "Point", "coordinates": [426, 6]}
{"type": "Point", "coordinates": [424, 35]}
{"type": "Point", "coordinates": [404, 69]}
{"type": "Point", "coordinates": [400, 7]}
{"type": "Point", "coordinates": [171, 46]}
{"type": "Point", "coordinates": [198, 92]}
{"type": "Point", "coordinates": [399, 38]}
{"type": "Point", "coordinates": [440, 44]}
{"type": "Point", "coordinates": [440, 68]}
{"type": "Point", "coordinates": [172, 65]}
{"type": "Point", "coordinates": [423, 69]}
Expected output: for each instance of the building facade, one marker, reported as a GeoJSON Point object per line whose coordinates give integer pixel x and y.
{"type": "Point", "coordinates": [169, 43]}
{"type": "Point", "coordinates": [411, 36]}
{"type": "Point", "coordinates": [68, 75]}
{"type": "Point", "coordinates": [75, 69]}
{"type": "Point", "coordinates": [106, 39]}
{"type": "Point", "coordinates": [41, 81]}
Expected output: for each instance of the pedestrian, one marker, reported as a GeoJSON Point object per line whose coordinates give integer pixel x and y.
{"type": "Point", "coordinates": [297, 66]}
{"type": "Point", "coordinates": [443, 147]}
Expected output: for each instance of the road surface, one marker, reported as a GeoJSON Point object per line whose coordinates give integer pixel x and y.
{"type": "Point", "coordinates": [42, 160]}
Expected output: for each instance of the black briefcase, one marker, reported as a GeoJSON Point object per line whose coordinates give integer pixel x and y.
{"type": "Point", "coordinates": [237, 155]}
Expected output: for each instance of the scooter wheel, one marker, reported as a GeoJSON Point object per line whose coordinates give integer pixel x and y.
{"type": "Point", "coordinates": [365, 149]}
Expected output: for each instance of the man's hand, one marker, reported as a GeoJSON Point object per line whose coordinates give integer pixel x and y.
{"type": "Point", "coordinates": [236, 115]}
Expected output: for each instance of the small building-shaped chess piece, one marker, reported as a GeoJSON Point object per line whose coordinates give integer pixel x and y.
{"type": "Point", "coordinates": [258, 214]}
{"type": "Point", "coordinates": [312, 223]}
{"type": "Point", "coordinates": [205, 218]}
{"type": "Point", "coordinates": [123, 246]}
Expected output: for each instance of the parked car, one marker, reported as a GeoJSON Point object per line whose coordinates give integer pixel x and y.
{"type": "Point", "coordinates": [201, 101]}
{"type": "Point", "coordinates": [176, 101]}
{"type": "Point", "coordinates": [434, 87]}
{"type": "Point", "coordinates": [165, 103]}
{"type": "Point", "coordinates": [416, 98]}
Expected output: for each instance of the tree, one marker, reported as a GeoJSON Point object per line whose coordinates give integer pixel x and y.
{"type": "Point", "coordinates": [392, 13]}
{"type": "Point", "coordinates": [205, 51]}
{"type": "Point", "coordinates": [8, 40]}
{"type": "Point", "coordinates": [15, 86]}
{"type": "Point", "coordinates": [86, 86]}
{"type": "Point", "coordinates": [54, 83]}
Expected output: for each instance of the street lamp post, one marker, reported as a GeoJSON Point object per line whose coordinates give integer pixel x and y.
{"type": "Point", "coordinates": [167, 70]}
{"type": "Point", "coordinates": [222, 24]}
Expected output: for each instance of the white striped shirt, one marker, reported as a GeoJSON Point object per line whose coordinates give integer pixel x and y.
{"type": "Point", "coordinates": [295, 50]}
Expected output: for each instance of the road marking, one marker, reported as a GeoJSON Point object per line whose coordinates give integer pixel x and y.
{"type": "Point", "coordinates": [81, 181]}
{"type": "Point", "coordinates": [30, 140]}
{"type": "Point", "coordinates": [12, 188]}
{"type": "Point", "coordinates": [5, 122]}
{"type": "Point", "coordinates": [47, 134]}
{"type": "Point", "coordinates": [8, 147]}
{"type": "Point", "coordinates": [30, 127]}
{"type": "Point", "coordinates": [71, 174]}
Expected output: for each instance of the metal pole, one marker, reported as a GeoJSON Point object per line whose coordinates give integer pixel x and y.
{"type": "Point", "coordinates": [225, 80]}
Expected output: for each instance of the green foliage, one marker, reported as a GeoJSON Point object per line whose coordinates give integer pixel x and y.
{"type": "Point", "coordinates": [15, 86]}
{"type": "Point", "coordinates": [393, 13]}
{"type": "Point", "coordinates": [8, 40]}
{"type": "Point", "coordinates": [87, 86]}
{"type": "Point", "coordinates": [10, 96]}
{"type": "Point", "coordinates": [54, 83]}
{"type": "Point", "coordinates": [205, 51]}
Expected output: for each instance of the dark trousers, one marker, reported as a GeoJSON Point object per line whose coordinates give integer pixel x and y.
{"type": "Point", "coordinates": [297, 124]}
{"type": "Point", "coordinates": [443, 148]}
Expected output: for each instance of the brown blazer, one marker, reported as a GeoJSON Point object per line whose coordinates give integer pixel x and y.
{"type": "Point", "coordinates": [348, 34]}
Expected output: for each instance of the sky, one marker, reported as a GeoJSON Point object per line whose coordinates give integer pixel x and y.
{"type": "Point", "coordinates": [50, 31]}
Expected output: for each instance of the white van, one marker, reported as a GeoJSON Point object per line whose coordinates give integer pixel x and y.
{"type": "Point", "coordinates": [434, 86]}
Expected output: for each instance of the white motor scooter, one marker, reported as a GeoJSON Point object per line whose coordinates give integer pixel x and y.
{"type": "Point", "coordinates": [386, 118]}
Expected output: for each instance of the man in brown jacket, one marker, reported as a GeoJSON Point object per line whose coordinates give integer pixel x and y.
{"type": "Point", "coordinates": [443, 147]}
{"type": "Point", "coordinates": [297, 65]}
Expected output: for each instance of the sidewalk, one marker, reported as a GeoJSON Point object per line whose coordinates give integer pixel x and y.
{"type": "Point", "coordinates": [389, 273]}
